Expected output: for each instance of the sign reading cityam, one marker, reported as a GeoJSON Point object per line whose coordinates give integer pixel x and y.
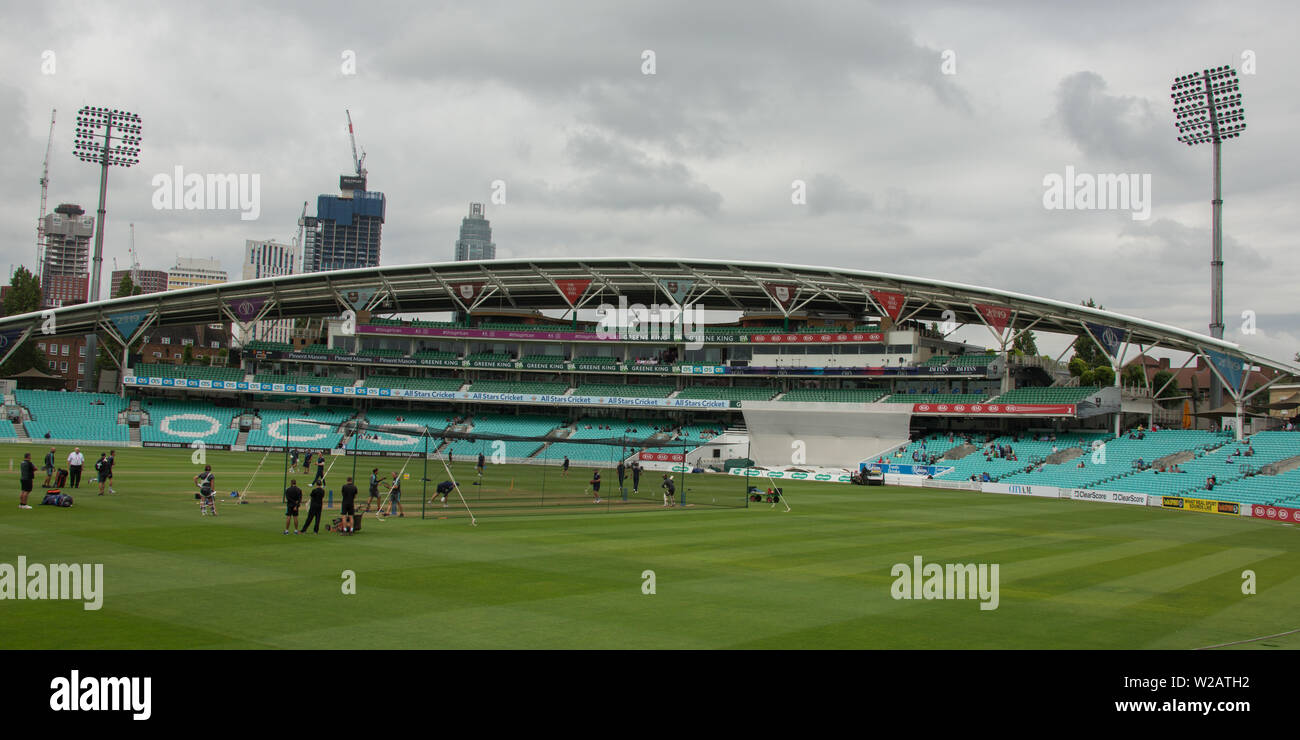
{"type": "Point", "coordinates": [996, 409]}
{"type": "Point", "coordinates": [1206, 506]}
{"type": "Point", "coordinates": [1021, 489]}
{"type": "Point", "coordinates": [1276, 513]}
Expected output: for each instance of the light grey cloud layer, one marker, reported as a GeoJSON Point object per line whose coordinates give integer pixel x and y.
{"type": "Point", "coordinates": [908, 169]}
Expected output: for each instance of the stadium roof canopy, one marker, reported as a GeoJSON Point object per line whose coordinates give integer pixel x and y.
{"type": "Point", "coordinates": [536, 284]}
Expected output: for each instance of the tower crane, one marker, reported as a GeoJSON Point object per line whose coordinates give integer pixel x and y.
{"type": "Point", "coordinates": [359, 161]}
{"type": "Point", "coordinates": [135, 260]}
{"type": "Point", "coordinates": [45, 189]}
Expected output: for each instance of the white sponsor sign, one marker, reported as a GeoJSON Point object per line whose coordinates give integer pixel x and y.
{"type": "Point", "coordinates": [820, 474]}
{"type": "Point", "coordinates": [1021, 489]}
{"type": "Point", "coordinates": [1109, 497]}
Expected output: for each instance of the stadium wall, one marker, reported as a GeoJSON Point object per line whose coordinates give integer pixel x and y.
{"type": "Point", "coordinates": [833, 434]}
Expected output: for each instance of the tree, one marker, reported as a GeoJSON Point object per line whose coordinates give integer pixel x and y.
{"type": "Point", "coordinates": [1078, 367]}
{"type": "Point", "coordinates": [23, 296]}
{"type": "Point", "coordinates": [1025, 343]}
{"type": "Point", "coordinates": [1103, 375]}
{"type": "Point", "coordinates": [128, 288]}
{"type": "Point", "coordinates": [1134, 375]}
{"type": "Point", "coordinates": [1162, 377]}
{"type": "Point", "coordinates": [1086, 348]}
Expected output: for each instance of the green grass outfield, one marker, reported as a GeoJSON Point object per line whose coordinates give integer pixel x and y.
{"type": "Point", "coordinates": [1072, 574]}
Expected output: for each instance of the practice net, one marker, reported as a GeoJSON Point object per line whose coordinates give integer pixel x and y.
{"type": "Point", "coordinates": [520, 474]}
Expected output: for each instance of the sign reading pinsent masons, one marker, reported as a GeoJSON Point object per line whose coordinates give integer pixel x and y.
{"type": "Point", "coordinates": [996, 409]}
{"type": "Point", "coordinates": [425, 395]}
{"type": "Point", "coordinates": [369, 360]}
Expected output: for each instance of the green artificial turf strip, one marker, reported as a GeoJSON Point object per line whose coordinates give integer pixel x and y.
{"type": "Point", "coordinates": [1072, 574]}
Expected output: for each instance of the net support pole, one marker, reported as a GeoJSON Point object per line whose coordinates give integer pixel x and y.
{"type": "Point", "coordinates": [288, 428]}
{"type": "Point", "coordinates": [686, 475]}
{"type": "Point", "coordinates": [424, 483]}
{"type": "Point", "coordinates": [355, 437]}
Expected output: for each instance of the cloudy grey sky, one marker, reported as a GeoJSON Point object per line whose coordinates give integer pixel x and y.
{"type": "Point", "coordinates": [908, 169]}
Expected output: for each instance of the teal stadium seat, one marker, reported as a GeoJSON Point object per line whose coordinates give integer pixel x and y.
{"type": "Point", "coordinates": [73, 416]}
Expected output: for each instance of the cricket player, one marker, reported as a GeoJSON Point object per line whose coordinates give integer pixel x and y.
{"type": "Point", "coordinates": [49, 467]}
{"type": "Point", "coordinates": [292, 500]}
{"type": "Point", "coordinates": [443, 489]}
{"type": "Point", "coordinates": [349, 506]}
{"type": "Point", "coordinates": [595, 485]}
{"type": "Point", "coordinates": [374, 487]}
{"type": "Point", "coordinates": [314, 510]}
{"type": "Point", "coordinates": [26, 477]}
{"type": "Point", "coordinates": [670, 490]}
{"type": "Point", "coordinates": [206, 482]}
{"type": "Point", "coordinates": [395, 495]}
{"type": "Point", "coordinates": [320, 469]}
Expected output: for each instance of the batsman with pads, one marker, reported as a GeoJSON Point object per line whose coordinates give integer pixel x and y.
{"type": "Point", "coordinates": [207, 494]}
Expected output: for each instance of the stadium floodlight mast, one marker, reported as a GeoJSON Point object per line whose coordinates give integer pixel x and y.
{"type": "Point", "coordinates": [1207, 109]}
{"type": "Point", "coordinates": [105, 137]}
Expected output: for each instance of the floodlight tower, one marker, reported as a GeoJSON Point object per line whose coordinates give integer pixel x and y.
{"type": "Point", "coordinates": [105, 137]}
{"type": "Point", "coordinates": [1207, 108]}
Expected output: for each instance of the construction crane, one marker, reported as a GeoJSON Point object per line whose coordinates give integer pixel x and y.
{"type": "Point", "coordinates": [45, 189]}
{"type": "Point", "coordinates": [135, 261]}
{"type": "Point", "coordinates": [359, 161]}
{"type": "Point", "coordinates": [297, 240]}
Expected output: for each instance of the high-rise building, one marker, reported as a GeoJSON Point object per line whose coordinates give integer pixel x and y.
{"type": "Point", "coordinates": [263, 259]}
{"type": "Point", "coordinates": [475, 242]}
{"type": "Point", "coordinates": [152, 281]}
{"type": "Point", "coordinates": [347, 229]}
{"type": "Point", "coordinates": [65, 269]}
{"type": "Point", "coordinates": [190, 273]}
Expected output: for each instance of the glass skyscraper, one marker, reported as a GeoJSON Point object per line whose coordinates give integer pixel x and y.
{"type": "Point", "coordinates": [475, 242]}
